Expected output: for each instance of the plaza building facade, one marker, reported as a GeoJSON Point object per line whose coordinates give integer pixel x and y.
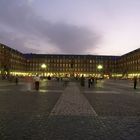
{"type": "Point", "coordinates": [11, 60]}
{"type": "Point", "coordinates": [71, 65]}
{"type": "Point", "coordinates": [15, 62]}
{"type": "Point", "coordinates": [129, 64]}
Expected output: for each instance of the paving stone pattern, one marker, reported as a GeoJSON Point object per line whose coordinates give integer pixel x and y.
{"type": "Point", "coordinates": [73, 103]}
{"type": "Point", "coordinates": [106, 111]}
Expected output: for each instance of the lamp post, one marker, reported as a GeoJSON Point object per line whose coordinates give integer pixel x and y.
{"type": "Point", "coordinates": [100, 67]}
{"type": "Point", "coordinates": [43, 66]}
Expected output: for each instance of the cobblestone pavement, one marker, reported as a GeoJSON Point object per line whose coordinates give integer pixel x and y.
{"type": "Point", "coordinates": [73, 103]}
{"type": "Point", "coordinates": [109, 110]}
{"type": "Point", "coordinates": [22, 112]}
{"type": "Point", "coordinates": [118, 107]}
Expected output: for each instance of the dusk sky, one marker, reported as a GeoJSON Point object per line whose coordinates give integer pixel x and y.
{"type": "Point", "coordinates": [99, 27]}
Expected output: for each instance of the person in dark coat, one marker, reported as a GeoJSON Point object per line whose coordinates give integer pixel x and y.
{"type": "Point", "coordinates": [16, 79]}
{"type": "Point", "coordinates": [37, 80]}
{"type": "Point", "coordinates": [82, 81]}
{"type": "Point", "coordinates": [89, 82]}
{"type": "Point", "coordinates": [135, 82]}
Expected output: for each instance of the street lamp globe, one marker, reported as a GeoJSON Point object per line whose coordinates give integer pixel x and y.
{"type": "Point", "coordinates": [99, 67]}
{"type": "Point", "coordinates": [43, 66]}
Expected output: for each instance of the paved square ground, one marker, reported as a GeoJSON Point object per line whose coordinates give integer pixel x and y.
{"type": "Point", "coordinates": [109, 110]}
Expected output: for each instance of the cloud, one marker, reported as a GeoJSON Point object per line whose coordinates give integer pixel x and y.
{"type": "Point", "coordinates": [18, 42]}
{"type": "Point", "coordinates": [22, 28]}
{"type": "Point", "coordinates": [72, 39]}
{"type": "Point", "coordinates": [30, 1]}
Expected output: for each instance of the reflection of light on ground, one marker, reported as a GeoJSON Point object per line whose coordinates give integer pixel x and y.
{"type": "Point", "coordinates": [43, 90]}
{"type": "Point", "coordinates": [57, 91]}
{"type": "Point", "coordinates": [107, 92]}
{"type": "Point", "coordinates": [43, 83]}
{"type": "Point", "coordinates": [100, 83]}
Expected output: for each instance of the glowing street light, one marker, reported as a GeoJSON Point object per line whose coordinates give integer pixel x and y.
{"type": "Point", "coordinates": [43, 66]}
{"type": "Point", "coordinates": [99, 67]}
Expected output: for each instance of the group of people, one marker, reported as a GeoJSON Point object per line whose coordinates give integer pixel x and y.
{"type": "Point", "coordinates": [91, 81]}
{"type": "Point", "coordinates": [34, 82]}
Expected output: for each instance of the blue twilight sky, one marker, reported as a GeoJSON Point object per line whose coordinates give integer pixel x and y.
{"type": "Point", "coordinates": [107, 27]}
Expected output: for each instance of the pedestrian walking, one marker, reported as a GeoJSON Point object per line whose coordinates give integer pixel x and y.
{"type": "Point", "coordinates": [82, 81]}
{"type": "Point", "coordinates": [93, 80]}
{"type": "Point", "coordinates": [135, 82]}
{"type": "Point", "coordinates": [89, 82]}
{"type": "Point", "coordinates": [16, 79]}
{"type": "Point", "coordinates": [37, 80]}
